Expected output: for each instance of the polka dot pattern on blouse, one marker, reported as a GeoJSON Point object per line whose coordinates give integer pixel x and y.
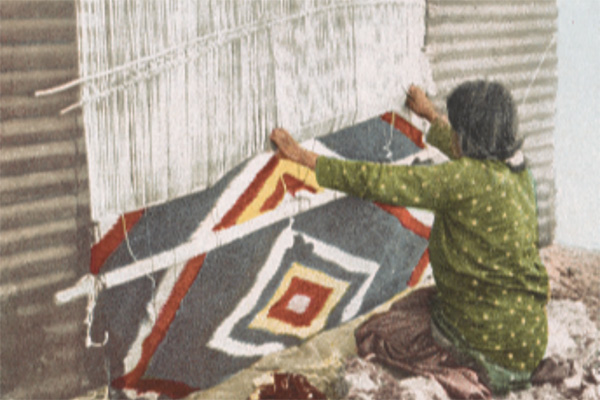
{"type": "Point", "coordinates": [492, 286]}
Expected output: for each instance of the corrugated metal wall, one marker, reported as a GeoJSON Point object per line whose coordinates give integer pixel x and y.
{"type": "Point", "coordinates": [504, 41]}
{"type": "Point", "coordinates": [44, 203]}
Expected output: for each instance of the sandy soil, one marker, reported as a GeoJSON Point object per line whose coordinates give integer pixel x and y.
{"type": "Point", "coordinates": [575, 275]}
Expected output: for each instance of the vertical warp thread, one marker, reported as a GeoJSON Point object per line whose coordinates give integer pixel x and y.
{"type": "Point", "coordinates": [183, 90]}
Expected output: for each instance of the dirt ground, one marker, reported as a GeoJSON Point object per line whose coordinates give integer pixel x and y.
{"type": "Point", "coordinates": [575, 275]}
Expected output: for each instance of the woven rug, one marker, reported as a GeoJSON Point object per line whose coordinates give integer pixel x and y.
{"type": "Point", "coordinates": [279, 260]}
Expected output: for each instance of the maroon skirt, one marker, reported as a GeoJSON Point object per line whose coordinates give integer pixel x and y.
{"type": "Point", "coordinates": [402, 338]}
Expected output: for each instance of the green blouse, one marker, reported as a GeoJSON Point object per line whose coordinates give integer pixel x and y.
{"type": "Point", "coordinates": [492, 286]}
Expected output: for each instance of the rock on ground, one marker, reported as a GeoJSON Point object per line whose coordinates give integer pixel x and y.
{"type": "Point", "coordinates": [363, 380]}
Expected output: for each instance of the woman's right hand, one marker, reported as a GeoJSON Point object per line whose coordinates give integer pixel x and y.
{"type": "Point", "coordinates": [420, 104]}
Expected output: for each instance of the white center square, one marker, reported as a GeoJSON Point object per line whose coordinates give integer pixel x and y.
{"type": "Point", "coordinates": [298, 304]}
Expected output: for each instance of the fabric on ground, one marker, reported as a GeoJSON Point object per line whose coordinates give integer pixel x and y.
{"type": "Point", "coordinates": [286, 386]}
{"type": "Point", "coordinates": [402, 338]}
{"type": "Point", "coordinates": [195, 324]}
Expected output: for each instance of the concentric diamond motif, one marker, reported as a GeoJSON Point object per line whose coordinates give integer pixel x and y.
{"type": "Point", "coordinates": [301, 304]}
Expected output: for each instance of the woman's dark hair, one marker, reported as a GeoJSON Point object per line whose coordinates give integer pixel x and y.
{"type": "Point", "coordinates": [484, 116]}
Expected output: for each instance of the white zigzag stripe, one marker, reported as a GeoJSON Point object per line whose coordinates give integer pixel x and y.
{"type": "Point", "coordinates": [221, 339]}
{"type": "Point", "coordinates": [161, 295]}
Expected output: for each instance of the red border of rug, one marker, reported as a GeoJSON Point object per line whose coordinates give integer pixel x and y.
{"type": "Point", "coordinates": [134, 380]}
{"type": "Point", "coordinates": [112, 240]}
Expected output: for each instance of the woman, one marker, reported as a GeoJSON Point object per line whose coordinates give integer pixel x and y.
{"type": "Point", "coordinates": [484, 326]}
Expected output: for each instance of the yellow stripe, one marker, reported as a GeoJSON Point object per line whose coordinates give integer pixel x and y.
{"type": "Point", "coordinates": [298, 171]}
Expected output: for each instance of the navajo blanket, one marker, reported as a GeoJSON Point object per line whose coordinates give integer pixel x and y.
{"type": "Point", "coordinates": [267, 287]}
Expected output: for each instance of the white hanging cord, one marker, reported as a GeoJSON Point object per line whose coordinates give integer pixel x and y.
{"type": "Point", "coordinates": [387, 146]}
{"type": "Point", "coordinates": [152, 306]}
{"type": "Point", "coordinates": [123, 223]}
{"type": "Point", "coordinates": [284, 189]}
{"type": "Point", "coordinates": [96, 286]}
{"type": "Point", "coordinates": [216, 219]}
{"type": "Point", "coordinates": [539, 67]}
{"type": "Point", "coordinates": [295, 199]}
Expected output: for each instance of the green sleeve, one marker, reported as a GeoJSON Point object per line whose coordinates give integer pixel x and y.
{"type": "Point", "coordinates": [418, 186]}
{"type": "Point", "coordinates": [440, 136]}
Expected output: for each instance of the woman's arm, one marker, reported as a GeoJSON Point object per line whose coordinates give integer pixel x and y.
{"type": "Point", "coordinates": [440, 134]}
{"type": "Point", "coordinates": [416, 100]}
{"type": "Point", "coordinates": [424, 187]}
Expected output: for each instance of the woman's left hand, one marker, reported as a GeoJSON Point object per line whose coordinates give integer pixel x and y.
{"type": "Point", "coordinates": [286, 144]}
